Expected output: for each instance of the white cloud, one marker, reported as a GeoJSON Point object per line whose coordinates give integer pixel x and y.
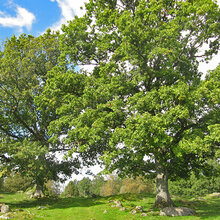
{"type": "Point", "coordinates": [69, 8]}
{"type": "Point", "coordinates": [23, 18]}
{"type": "Point", "coordinates": [211, 65]}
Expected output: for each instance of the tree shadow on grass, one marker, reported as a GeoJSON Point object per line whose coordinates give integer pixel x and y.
{"type": "Point", "coordinates": [211, 208]}
{"type": "Point", "coordinates": [55, 203]}
{"type": "Point", "coordinates": [130, 197]}
{"type": "Point", "coordinates": [204, 208]}
{"type": "Point", "coordinates": [131, 200]}
{"type": "Point", "coordinates": [61, 203]}
{"type": "Point", "coordinates": [7, 193]}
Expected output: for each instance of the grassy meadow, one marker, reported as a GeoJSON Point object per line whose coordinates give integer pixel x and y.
{"type": "Point", "coordinates": [93, 208]}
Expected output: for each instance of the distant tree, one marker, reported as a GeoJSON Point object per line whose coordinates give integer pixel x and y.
{"type": "Point", "coordinates": [195, 186]}
{"type": "Point", "coordinates": [96, 185]}
{"type": "Point", "coordinates": [137, 185]}
{"type": "Point", "coordinates": [24, 137]}
{"type": "Point", "coordinates": [84, 187]}
{"type": "Point", "coordinates": [71, 190]}
{"type": "Point", "coordinates": [1, 184]}
{"type": "Point", "coordinates": [198, 184]}
{"type": "Point", "coordinates": [112, 186]}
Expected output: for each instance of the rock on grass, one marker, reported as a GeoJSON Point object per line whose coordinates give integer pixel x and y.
{"type": "Point", "coordinates": [177, 211]}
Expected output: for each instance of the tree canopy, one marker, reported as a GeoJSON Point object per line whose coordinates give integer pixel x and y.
{"type": "Point", "coordinates": [24, 64]}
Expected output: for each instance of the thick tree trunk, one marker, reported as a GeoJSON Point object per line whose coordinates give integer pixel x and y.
{"type": "Point", "coordinates": [163, 198]}
{"type": "Point", "coordinates": [38, 193]}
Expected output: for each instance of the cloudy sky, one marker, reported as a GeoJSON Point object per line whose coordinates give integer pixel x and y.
{"type": "Point", "coordinates": [35, 16]}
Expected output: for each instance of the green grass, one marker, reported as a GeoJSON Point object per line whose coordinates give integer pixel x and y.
{"type": "Point", "coordinates": [89, 208]}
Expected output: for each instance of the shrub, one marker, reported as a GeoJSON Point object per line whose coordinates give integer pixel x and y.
{"type": "Point", "coordinates": [16, 182]}
{"type": "Point", "coordinates": [195, 186]}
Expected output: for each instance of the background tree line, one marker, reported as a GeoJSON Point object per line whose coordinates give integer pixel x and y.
{"type": "Point", "coordinates": [113, 185]}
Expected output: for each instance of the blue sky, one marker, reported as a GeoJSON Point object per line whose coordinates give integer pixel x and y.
{"type": "Point", "coordinates": [35, 16]}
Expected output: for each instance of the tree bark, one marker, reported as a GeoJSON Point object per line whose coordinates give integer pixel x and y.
{"type": "Point", "coordinates": [38, 193]}
{"type": "Point", "coordinates": [163, 198]}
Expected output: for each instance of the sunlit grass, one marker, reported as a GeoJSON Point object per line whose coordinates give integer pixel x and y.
{"type": "Point", "coordinates": [93, 208]}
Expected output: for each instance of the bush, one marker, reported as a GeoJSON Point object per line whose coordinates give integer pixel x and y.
{"type": "Point", "coordinates": [16, 182]}
{"type": "Point", "coordinates": [194, 186]}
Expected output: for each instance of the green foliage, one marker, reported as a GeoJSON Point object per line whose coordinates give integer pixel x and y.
{"type": "Point", "coordinates": [84, 187]}
{"type": "Point", "coordinates": [1, 184]}
{"type": "Point", "coordinates": [96, 185]}
{"type": "Point", "coordinates": [71, 190]}
{"type": "Point", "coordinates": [24, 64]}
{"type": "Point", "coordinates": [16, 182]}
{"type": "Point", "coordinates": [143, 98]}
{"type": "Point", "coordinates": [194, 186]}
{"type": "Point", "coordinates": [112, 186]}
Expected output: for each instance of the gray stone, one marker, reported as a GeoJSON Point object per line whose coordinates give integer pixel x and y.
{"type": "Point", "coordinates": [144, 214]}
{"type": "Point", "coordinates": [217, 195]}
{"type": "Point", "coordinates": [5, 208]}
{"type": "Point", "coordinates": [118, 204]}
{"type": "Point", "coordinates": [42, 207]}
{"type": "Point", "coordinates": [177, 211]}
{"type": "Point", "coordinates": [133, 211]}
{"type": "Point", "coordinates": [200, 198]}
{"type": "Point", "coordinates": [153, 213]}
{"type": "Point", "coordinates": [7, 216]}
{"type": "Point", "coordinates": [137, 209]}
